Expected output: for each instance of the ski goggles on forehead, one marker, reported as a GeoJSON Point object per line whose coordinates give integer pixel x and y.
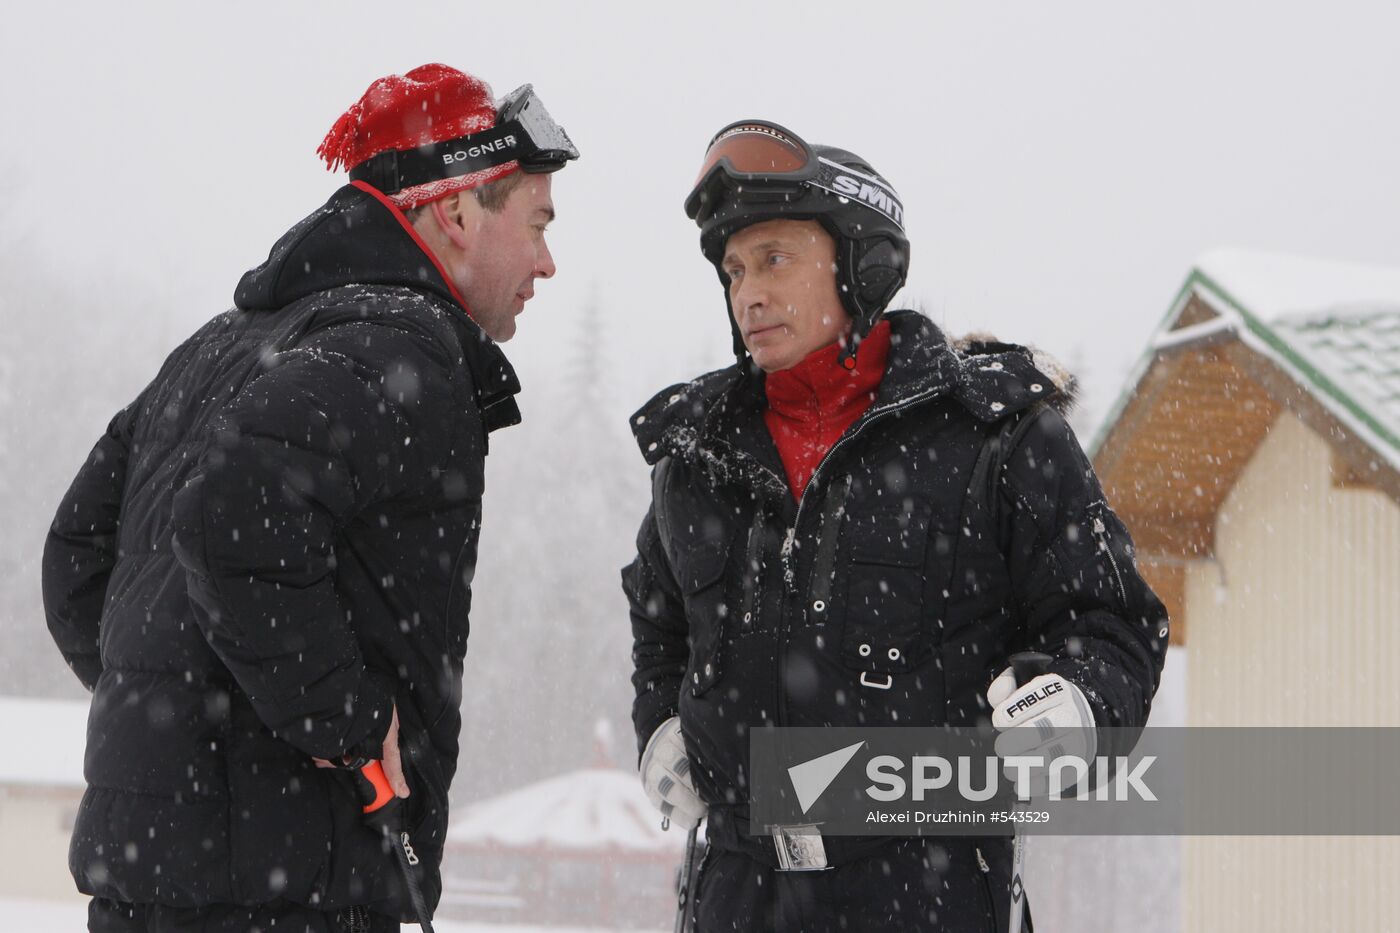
{"type": "Point", "coordinates": [547, 147]}
{"type": "Point", "coordinates": [768, 162]}
{"type": "Point", "coordinates": [756, 147]}
{"type": "Point", "coordinates": [524, 133]}
{"type": "Point", "coordinates": [752, 150]}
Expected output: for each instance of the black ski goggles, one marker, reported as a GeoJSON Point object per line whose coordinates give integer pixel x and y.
{"type": "Point", "coordinates": [770, 162]}
{"type": "Point", "coordinates": [524, 133]}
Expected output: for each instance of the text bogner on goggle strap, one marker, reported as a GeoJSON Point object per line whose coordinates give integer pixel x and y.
{"type": "Point", "coordinates": [524, 133]}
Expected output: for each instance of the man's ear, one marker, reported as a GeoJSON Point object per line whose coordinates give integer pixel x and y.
{"type": "Point", "coordinates": [451, 216]}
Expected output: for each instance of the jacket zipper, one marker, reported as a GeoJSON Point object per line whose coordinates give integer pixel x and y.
{"type": "Point", "coordinates": [1101, 532]}
{"type": "Point", "coordinates": [790, 542]}
{"type": "Point", "coordinates": [789, 573]}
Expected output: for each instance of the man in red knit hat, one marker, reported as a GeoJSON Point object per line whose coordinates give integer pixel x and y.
{"type": "Point", "coordinates": [263, 571]}
{"type": "Point", "coordinates": [858, 524]}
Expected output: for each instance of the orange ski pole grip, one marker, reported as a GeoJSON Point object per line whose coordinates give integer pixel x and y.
{"type": "Point", "coordinates": [373, 787]}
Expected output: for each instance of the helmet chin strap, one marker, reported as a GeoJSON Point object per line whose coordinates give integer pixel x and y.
{"type": "Point", "coordinates": [847, 358]}
{"type": "Point", "coordinates": [856, 304]}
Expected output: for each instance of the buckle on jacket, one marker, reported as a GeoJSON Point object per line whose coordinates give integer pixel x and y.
{"type": "Point", "coordinates": [799, 847]}
{"type": "Point", "coordinates": [889, 681]}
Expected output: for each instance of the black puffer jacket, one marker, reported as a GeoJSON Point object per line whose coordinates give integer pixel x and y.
{"type": "Point", "coordinates": [893, 593]}
{"type": "Point", "coordinates": [270, 546]}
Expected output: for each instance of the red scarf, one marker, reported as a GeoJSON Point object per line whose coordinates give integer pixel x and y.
{"type": "Point", "coordinates": [812, 404]}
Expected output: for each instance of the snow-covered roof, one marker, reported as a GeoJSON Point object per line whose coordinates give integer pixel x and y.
{"type": "Point", "coordinates": [1274, 285]}
{"type": "Point", "coordinates": [1360, 352]}
{"type": "Point", "coordinates": [44, 741]}
{"type": "Point", "coordinates": [588, 810]}
{"type": "Point", "coordinates": [1334, 327]}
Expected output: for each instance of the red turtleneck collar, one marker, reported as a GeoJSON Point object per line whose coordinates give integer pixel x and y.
{"type": "Point", "coordinates": [812, 404]}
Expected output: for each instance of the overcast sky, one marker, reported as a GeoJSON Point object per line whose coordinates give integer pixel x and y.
{"type": "Point", "coordinates": [1061, 163]}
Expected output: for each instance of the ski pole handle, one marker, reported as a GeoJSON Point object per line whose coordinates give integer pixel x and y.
{"type": "Point", "coordinates": [382, 811]}
{"type": "Point", "coordinates": [1026, 666]}
{"type": "Point", "coordinates": [376, 795]}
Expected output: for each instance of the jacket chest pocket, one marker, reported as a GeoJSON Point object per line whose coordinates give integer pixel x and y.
{"type": "Point", "coordinates": [885, 630]}
{"type": "Point", "coordinates": [700, 573]}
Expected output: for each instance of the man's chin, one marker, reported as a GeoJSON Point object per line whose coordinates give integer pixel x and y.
{"type": "Point", "coordinates": [499, 328]}
{"type": "Point", "coordinates": [771, 361]}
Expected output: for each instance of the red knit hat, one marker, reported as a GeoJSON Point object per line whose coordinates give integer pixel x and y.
{"type": "Point", "coordinates": [430, 104]}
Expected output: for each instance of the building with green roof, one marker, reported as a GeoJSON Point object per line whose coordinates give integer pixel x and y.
{"type": "Point", "coordinates": [1255, 456]}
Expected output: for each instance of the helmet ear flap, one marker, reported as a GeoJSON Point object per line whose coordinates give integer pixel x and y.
{"type": "Point", "coordinates": [877, 271]}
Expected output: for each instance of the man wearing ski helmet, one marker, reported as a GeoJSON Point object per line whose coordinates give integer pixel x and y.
{"type": "Point", "coordinates": [275, 541]}
{"type": "Point", "coordinates": [857, 524]}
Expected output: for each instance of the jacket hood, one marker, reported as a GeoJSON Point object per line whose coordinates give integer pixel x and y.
{"type": "Point", "coordinates": [992, 380]}
{"type": "Point", "coordinates": [981, 343]}
{"type": "Point", "coordinates": [353, 239]}
{"type": "Point", "coordinates": [356, 238]}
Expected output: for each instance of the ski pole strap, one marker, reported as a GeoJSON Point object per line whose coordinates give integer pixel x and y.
{"type": "Point", "coordinates": [383, 811]}
{"type": "Point", "coordinates": [403, 853]}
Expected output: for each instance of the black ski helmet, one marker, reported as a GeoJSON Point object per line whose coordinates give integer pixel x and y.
{"type": "Point", "coordinates": [755, 170]}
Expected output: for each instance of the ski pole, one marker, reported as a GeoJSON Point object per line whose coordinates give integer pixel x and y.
{"type": "Point", "coordinates": [1026, 666]}
{"type": "Point", "coordinates": [683, 888]}
{"type": "Point", "coordinates": [384, 812]}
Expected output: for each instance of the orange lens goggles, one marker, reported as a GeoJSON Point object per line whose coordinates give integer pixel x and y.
{"type": "Point", "coordinates": [754, 147]}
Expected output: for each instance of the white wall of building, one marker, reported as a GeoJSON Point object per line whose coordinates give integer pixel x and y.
{"type": "Point", "coordinates": [35, 824]}
{"type": "Point", "coordinates": [1295, 623]}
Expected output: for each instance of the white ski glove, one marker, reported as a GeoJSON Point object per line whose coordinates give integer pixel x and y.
{"type": "Point", "coordinates": [1047, 718]}
{"type": "Point", "coordinates": [666, 776]}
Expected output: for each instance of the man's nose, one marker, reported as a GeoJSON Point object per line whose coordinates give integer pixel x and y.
{"type": "Point", "coordinates": [749, 295]}
{"type": "Point", "coordinates": [544, 263]}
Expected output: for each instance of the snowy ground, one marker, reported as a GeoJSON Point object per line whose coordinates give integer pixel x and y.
{"type": "Point", "coordinates": [26, 916]}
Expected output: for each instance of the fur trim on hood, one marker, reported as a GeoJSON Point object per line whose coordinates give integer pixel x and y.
{"type": "Point", "coordinates": [980, 343]}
